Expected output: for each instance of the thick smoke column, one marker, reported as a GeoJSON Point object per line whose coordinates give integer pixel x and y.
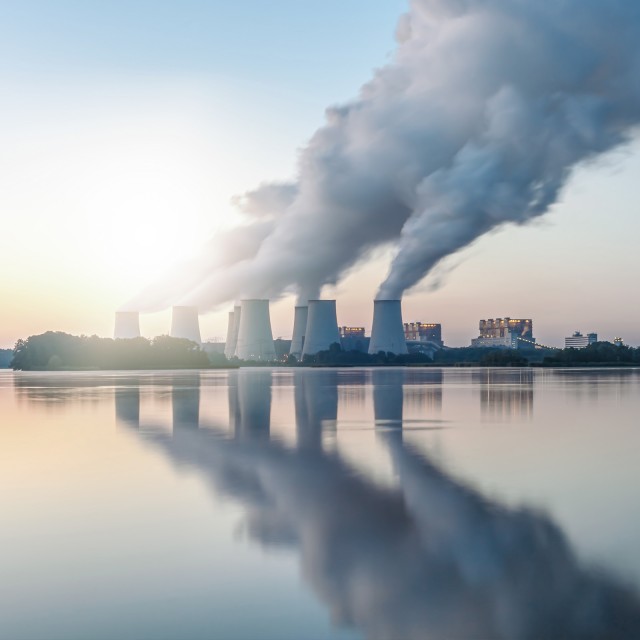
{"type": "Point", "coordinates": [478, 121]}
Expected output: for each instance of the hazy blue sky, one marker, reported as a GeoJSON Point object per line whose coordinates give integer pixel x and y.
{"type": "Point", "coordinates": [126, 127]}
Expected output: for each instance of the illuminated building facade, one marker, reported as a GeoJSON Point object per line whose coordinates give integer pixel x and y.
{"type": "Point", "coordinates": [508, 333]}
{"type": "Point", "coordinates": [423, 332]}
{"type": "Point", "coordinates": [578, 341]}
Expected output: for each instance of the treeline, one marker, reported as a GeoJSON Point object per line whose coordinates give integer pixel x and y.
{"type": "Point", "coordinates": [597, 354]}
{"type": "Point", "coordinates": [336, 357]}
{"type": "Point", "coordinates": [6, 355]}
{"type": "Point", "coordinates": [57, 351]}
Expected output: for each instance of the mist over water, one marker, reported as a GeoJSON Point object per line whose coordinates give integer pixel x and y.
{"type": "Point", "coordinates": [478, 121]}
{"type": "Point", "coordinates": [407, 503]}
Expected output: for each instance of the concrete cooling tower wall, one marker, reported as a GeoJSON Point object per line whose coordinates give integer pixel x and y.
{"type": "Point", "coordinates": [127, 325]}
{"type": "Point", "coordinates": [255, 339]}
{"type": "Point", "coordinates": [299, 331]}
{"type": "Point", "coordinates": [185, 324]}
{"type": "Point", "coordinates": [387, 333]}
{"type": "Point", "coordinates": [322, 327]}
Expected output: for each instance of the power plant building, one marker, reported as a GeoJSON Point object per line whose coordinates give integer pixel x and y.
{"type": "Point", "coordinates": [578, 341]}
{"type": "Point", "coordinates": [354, 339]}
{"type": "Point", "coordinates": [423, 332]}
{"type": "Point", "coordinates": [505, 333]}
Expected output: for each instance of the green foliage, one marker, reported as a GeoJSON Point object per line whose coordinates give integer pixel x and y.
{"type": "Point", "coordinates": [61, 351]}
{"type": "Point", "coordinates": [5, 358]}
{"type": "Point", "coordinates": [336, 357]}
{"type": "Point", "coordinates": [504, 358]}
{"type": "Point", "coordinates": [599, 353]}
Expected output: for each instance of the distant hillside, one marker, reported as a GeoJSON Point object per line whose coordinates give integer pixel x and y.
{"type": "Point", "coordinates": [5, 358]}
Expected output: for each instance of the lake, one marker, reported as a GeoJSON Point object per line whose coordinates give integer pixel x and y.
{"type": "Point", "coordinates": [381, 503]}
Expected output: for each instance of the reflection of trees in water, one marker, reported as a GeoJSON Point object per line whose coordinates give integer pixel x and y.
{"type": "Point", "coordinates": [431, 558]}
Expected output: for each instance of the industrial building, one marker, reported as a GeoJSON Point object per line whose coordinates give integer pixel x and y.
{"type": "Point", "coordinates": [354, 339]}
{"type": "Point", "coordinates": [423, 332]}
{"type": "Point", "coordinates": [579, 341]}
{"type": "Point", "coordinates": [506, 333]}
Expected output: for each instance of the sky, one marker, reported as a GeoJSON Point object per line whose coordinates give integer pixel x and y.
{"type": "Point", "coordinates": [126, 128]}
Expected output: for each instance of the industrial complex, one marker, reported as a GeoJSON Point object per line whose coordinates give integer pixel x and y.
{"type": "Point", "coordinates": [315, 329]}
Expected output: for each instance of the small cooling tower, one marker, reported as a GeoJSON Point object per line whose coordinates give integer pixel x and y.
{"type": "Point", "coordinates": [322, 327]}
{"type": "Point", "coordinates": [127, 325]}
{"type": "Point", "coordinates": [185, 324]}
{"type": "Point", "coordinates": [255, 339]}
{"type": "Point", "coordinates": [387, 333]}
{"type": "Point", "coordinates": [299, 331]}
{"type": "Point", "coordinates": [232, 338]}
{"type": "Point", "coordinates": [236, 328]}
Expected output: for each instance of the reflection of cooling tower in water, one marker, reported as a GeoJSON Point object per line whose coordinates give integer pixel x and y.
{"type": "Point", "coordinates": [185, 402]}
{"type": "Point", "coordinates": [299, 331]}
{"type": "Point", "coordinates": [255, 339]}
{"type": "Point", "coordinates": [316, 402]}
{"type": "Point", "coordinates": [250, 404]}
{"type": "Point", "coordinates": [387, 332]}
{"type": "Point", "coordinates": [185, 323]}
{"type": "Point", "coordinates": [232, 333]}
{"type": "Point", "coordinates": [322, 327]}
{"type": "Point", "coordinates": [127, 325]}
{"type": "Point", "coordinates": [388, 396]}
{"type": "Point", "coordinates": [127, 401]}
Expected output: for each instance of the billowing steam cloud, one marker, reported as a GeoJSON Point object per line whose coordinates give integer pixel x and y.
{"type": "Point", "coordinates": [478, 121]}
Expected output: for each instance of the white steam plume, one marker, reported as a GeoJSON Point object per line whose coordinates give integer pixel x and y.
{"type": "Point", "coordinates": [478, 121]}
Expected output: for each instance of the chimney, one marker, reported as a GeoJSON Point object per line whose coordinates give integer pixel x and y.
{"type": "Point", "coordinates": [322, 327]}
{"type": "Point", "coordinates": [185, 324]}
{"type": "Point", "coordinates": [387, 333]}
{"type": "Point", "coordinates": [127, 325]}
{"type": "Point", "coordinates": [299, 331]}
{"type": "Point", "coordinates": [255, 339]}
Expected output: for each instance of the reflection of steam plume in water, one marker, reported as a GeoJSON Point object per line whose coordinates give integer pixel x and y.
{"type": "Point", "coordinates": [484, 111]}
{"type": "Point", "coordinates": [433, 558]}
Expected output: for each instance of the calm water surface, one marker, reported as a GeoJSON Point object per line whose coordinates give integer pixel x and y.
{"type": "Point", "coordinates": [356, 503]}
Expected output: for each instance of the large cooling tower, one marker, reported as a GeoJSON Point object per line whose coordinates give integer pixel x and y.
{"type": "Point", "coordinates": [322, 327]}
{"type": "Point", "coordinates": [127, 325]}
{"type": "Point", "coordinates": [387, 333]}
{"type": "Point", "coordinates": [299, 331]}
{"type": "Point", "coordinates": [255, 339]}
{"type": "Point", "coordinates": [185, 324]}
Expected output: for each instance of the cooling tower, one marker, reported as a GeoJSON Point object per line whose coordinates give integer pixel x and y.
{"type": "Point", "coordinates": [127, 325]}
{"type": "Point", "coordinates": [299, 331]}
{"type": "Point", "coordinates": [322, 327]}
{"type": "Point", "coordinates": [387, 333]}
{"type": "Point", "coordinates": [232, 336]}
{"type": "Point", "coordinates": [255, 340]}
{"type": "Point", "coordinates": [185, 324]}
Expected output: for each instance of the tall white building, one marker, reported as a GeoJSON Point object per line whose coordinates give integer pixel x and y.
{"type": "Point", "coordinates": [578, 341]}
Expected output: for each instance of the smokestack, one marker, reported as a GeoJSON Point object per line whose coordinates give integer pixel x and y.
{"type": "Point", "coordinates": [127, 325]}
{"type": "Point", "coordinates": [255, 339]}
{"type": "Point", "coordinates": [185, 324]}
{"type": "Point", "coordinates": [299, 331]}
{"type": "Point", "coordinates": [387, 333]}
{"type": "Point", "coordinates": [322, 327]}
